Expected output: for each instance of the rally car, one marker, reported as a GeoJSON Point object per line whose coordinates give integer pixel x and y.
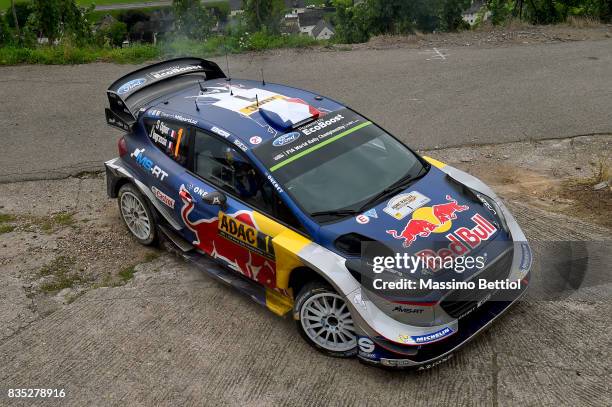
{"type": "Point", "coordinates": [277, 190]}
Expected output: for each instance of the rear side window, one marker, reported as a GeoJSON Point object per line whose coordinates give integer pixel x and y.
{"type": "Point", "coordinates": [171, 138]}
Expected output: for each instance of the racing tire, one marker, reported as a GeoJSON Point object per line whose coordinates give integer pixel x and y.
{"type": "Point", "coordinates": [137, 215]}
{"type": "Point", "coordinates": [324, 320]}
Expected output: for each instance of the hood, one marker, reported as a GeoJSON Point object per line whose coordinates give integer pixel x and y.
{"type": "Point", "coordinates": [434, 216]}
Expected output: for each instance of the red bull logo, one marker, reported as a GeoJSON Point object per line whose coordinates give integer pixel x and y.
{"type": "Point", "coordinates": [427, 220]}
{"type": "Point", "coordinates": [461, 242]}
{"type": "Point", "coordinates": [233, 238]}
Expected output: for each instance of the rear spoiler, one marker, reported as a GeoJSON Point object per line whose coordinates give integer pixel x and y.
{"type": "Point", "coordinates": [130, 93]}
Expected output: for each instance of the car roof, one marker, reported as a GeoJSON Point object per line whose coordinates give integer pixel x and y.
{"type": "Point", "coordinates": [250, 111]}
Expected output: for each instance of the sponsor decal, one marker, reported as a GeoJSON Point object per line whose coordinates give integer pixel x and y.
{"type": "Point", "coordinates": [240, 145]}
{"type": "Point", "coordinates": [174, 70]}
{"type": "Point", "coordinates": [436, 363]}
{"type": "Point", "coordinates": [255, 140]}
{"type": "Point", "coordinates": [404, 204]}
{"type": "Point", "coordinates": [486, 204]}
{"type": "Point", "coordinates": [148, 164]}
{"type": "Point", "coordinates": [169, 202]}
{"type": "Point", "coordinates": [158, 113]}
{"type": "Point", "coordinates": [526, 258]}
{"type": "Point", "coordinates": [428, 338]}
{"type": "Point", "coordinates": [237, 256]}
{"type": "Point", "coordinates": [275, 184]}
{"type": "Point", "coordinates": [286, 139]}
{"type": "Point", "coordinates": [245, 235]}
{"type": "Point", "coordinates": [358, 300]}
{"type": "Point", "coordinates": [405, 310]}
{"type": "Point", "coordinates": [183, 119]}
{"type": "Point", "coordinates": [427, 220]}
{"type": "Point", "coordinates": [220, 132]}
{"type": "Point", "coordinates": [362, 219]}
{"type": "Point", "coordinates": [321, 124]}
{"type": "Point", "coordinates": [163, 135]}
{"type": "Point", "coordinates": [462, 242]}
{"type": "Point", "coordinates": [128, 86]}
{"type": "Point", "coordinates": [366, 345]}
{"type": "Point", "coordinates": [372, 213]}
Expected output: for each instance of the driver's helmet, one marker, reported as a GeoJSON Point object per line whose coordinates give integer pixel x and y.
{"type": "Point", "coordinates": [244, 179]}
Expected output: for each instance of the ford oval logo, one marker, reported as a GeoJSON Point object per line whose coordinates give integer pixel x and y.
{"type": "Point", "coordinates": [286, 139]}
{"type": "Point", "coordinates": [126, 87]}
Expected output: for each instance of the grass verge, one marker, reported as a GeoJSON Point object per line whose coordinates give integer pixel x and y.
{"type": "Point", "coordinates": [139, 53]}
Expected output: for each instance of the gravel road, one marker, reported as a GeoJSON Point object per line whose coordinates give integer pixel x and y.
{"type": "Point", "coordinates": [53, 116]}
{"type": "Point", "coordinates": [173, 336]}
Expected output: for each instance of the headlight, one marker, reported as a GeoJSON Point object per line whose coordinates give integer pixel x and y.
{"type": "Point", "coordinates": [491, 205]}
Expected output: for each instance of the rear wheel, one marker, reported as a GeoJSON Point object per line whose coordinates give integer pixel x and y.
{"type": "Point", "coordinates": [137, 215]}
{"type": "Point", "coordinates": [325, 320]}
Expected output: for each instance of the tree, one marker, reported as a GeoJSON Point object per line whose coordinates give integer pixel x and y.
{"type": "Point", "coordinates": [192, 19]}
{"type": "Point", "coordinates": [15, 19]}
{"type": "Point", "coordinates": [54, 18]}
{"type": "Point", "coordinates": [450, 14]}
{"type": "Point", "coordinates": [263, 14]}
{"type": "Point", "coordinates": [5, 32]}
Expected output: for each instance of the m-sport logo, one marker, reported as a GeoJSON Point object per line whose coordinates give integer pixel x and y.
{"type": "Point", "coordinates": [286, 139]}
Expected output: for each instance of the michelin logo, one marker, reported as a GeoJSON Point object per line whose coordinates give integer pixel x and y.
{"type": "Point", "coordinates": [432, 337]}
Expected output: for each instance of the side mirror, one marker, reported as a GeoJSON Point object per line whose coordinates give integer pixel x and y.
{"type": "Point", "coordinates": [216, 198]}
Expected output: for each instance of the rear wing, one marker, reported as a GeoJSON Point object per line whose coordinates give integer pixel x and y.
{"type": "Point", "coordinates": [127, 95]}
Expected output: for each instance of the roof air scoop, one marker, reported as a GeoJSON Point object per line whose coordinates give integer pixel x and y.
{"type": "Point", "coordinates": [283, 114]}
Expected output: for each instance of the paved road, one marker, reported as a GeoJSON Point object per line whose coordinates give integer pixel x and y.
{"type": "Point", "coordinates": [128, 6]}
{"type": "Point", "coordinates": [53, 120]}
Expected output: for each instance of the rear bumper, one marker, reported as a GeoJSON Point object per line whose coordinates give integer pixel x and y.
{"type": "Point", "coordinates": [114, 176]}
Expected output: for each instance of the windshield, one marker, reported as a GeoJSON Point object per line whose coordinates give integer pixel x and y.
{"type": "Point", "coordinates": [338, 162]}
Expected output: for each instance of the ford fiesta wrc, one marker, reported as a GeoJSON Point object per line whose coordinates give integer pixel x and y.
{"type": "Point", "coordinates": [285, 194]}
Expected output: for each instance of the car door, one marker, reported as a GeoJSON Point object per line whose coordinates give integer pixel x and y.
{"type": "Point", "coordinates": [170, 155]}
{"type": "Point", "coordinates": [228, 226]}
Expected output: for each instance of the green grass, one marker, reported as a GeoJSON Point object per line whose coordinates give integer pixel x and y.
{"type": "Point", "coordinates": [5, 217]}
{"type": "Point", "coordinates": [61, 276]}
{"type": "Point", "coordinates": [4, 4]}
{"type": "Point", "coordinates": [139, 53]}
{"type": "Point", "coordinates": [68, 55]}
{"type": "Point", "coordinates": [58, 220]}
{"type": "Point", "coordinates": [127, 274]}
{"type": "Point", "coordinates": [6, 228]}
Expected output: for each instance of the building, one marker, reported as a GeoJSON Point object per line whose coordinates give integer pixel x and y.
{"type": "Point", "coordinates": [308, 19]}
{"type": "Point", "coordinates": [470, 15]}
{"type": "Point", "coordinates": [323, 30]}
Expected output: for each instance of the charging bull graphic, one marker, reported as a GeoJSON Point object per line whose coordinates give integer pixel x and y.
{"type": "Point", "coordinates": [441, 214]}
{"type": "Point", "coordinates": [233, 238]}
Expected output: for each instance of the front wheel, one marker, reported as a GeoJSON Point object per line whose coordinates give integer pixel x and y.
{"type": "Point", "coordinates": [325, 320]}
{"type": "Point", "coordinates": [136, 214]}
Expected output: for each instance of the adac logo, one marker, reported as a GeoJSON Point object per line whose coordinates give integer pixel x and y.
{"type": "Point", "coordinates": [128, 86]}
{"type": "Point", "coordinates": [429, 219]}
{"type": "Point", "coordinates": [286, 139]}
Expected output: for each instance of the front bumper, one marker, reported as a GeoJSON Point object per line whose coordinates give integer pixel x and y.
{"type": "Point", "coordinates": [380, 336]}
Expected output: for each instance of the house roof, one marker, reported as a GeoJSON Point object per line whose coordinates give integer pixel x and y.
{"type": "Point", "coordinates": [321, 25]}
{"type": "Point", "coordinates": [310, 17]}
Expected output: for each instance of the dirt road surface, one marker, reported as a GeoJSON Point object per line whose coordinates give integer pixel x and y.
{"type": "Point", "coordinates": [84, 308]}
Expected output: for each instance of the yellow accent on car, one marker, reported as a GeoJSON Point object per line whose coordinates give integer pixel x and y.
{"type": "Point", "coordinates": [287, 244]}
{"type": "Point", "coordinates": [434, 162]}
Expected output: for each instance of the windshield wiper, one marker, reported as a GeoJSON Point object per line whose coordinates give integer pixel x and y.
{"type": "Point", "coordinates": [400, 184]}
{"type": "Point", "coordinates": [336, 212]}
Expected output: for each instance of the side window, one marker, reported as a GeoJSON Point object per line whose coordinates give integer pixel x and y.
{"type": "Point", "coordinates": [224, 166]}
{"type": "Point", "coordinates": [169, 137]}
